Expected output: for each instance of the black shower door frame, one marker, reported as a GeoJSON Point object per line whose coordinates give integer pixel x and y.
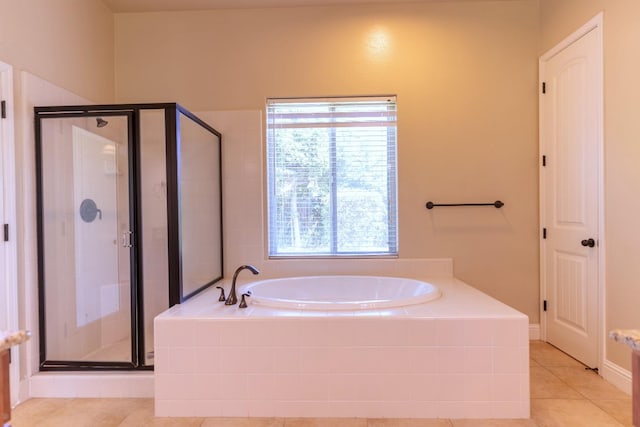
{"type": "Point", "coordinates": [135, 253]}
{"type": "Point", "coordinates": [175, 290]}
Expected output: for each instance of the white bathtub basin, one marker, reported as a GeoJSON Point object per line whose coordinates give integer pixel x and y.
{"type": "Point", "coordinates": [340, 292]}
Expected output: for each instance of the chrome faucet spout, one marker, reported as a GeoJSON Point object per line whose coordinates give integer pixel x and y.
{"type": "Point", "coordinates": [233, 298]}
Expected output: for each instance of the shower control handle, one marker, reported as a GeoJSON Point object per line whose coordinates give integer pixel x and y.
{"type": "Point", "coordinates": [588, 242]}
{"type": "Point", "coordinates": [126, 239]}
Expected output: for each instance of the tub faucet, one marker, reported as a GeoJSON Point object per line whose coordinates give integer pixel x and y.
{"type": "Point", "coordinates": [232, 298]}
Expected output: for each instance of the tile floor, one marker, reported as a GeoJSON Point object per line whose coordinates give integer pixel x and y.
{"type": "Point", "coordinates": [563, 394]}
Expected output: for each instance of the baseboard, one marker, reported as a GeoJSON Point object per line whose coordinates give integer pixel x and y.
{"type": "Point", "coordinates": [69, 385]}
{"type": "Point", "coordinates": [616, 375]}
{"type": "Point", "coordinates": [534, 332]}
{"type": "Point", "coordinates": [23, 392]}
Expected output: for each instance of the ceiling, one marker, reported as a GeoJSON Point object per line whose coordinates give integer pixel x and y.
{"type": "Point", "coordinates": [129, 6]}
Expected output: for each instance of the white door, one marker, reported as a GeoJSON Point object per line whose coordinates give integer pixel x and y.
{"type": "Point", "coordinates": [571, 174]}
{"type": "Point", "coordinates": [8, 240]}
{"type": "Point", "coordinates": [4, 280]}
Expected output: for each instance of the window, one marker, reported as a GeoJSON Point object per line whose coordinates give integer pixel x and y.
{"type": "Point", "coordinates": [332, 177]}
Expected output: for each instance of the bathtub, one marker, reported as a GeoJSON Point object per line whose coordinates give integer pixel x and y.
{"type": "Point", "coordinates": [340, 292]}
{"type": "Point", "coordinates": [460, 355]}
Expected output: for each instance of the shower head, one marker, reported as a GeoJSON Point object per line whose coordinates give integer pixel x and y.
{"type": "Point", "coordinates": [100, 122]}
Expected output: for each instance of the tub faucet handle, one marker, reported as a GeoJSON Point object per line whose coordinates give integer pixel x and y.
{"type": "Point", "coordinates": [222, 296]}
{"type": "Point", "coordinates": [243, 302]}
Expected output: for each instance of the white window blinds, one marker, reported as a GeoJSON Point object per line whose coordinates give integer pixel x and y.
{"type": "Point", "coordinates": [332, 181]}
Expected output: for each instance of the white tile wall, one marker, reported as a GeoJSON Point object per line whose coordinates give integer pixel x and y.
{"type": "Point", "coordinates": [447, 358]}
{"type": "Point", "coordinates": [72, 385]}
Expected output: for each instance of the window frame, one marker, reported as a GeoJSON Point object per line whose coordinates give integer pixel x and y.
{"type": "Point", "coordinates": [391, 183]}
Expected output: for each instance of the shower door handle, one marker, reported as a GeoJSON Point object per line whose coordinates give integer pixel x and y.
{"type": "Point", "coordinates": [126, 239]}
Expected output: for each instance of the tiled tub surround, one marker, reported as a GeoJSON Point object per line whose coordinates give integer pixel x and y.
{"type": "Point", "coordinates": [464, 355]}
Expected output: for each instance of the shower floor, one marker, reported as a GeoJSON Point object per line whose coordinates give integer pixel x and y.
{"type": "Point", "coordinates": [120, 351]}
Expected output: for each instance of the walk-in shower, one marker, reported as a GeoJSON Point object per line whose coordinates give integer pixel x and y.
{"type": "Point", "coordinates": [129, 202]}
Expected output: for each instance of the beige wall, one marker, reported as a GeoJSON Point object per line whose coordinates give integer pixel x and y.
{"type": "Point", "coordinates": [67, 42]}
{"type": "Point", "coordinates": [622, 148]}
{"type": "Point", "coordinates": [466, 78]}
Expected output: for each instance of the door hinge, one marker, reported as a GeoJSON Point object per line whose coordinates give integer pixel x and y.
{"type": "Point", "coordinates": [544, 87]}
{"type": "Point", "coordinates": [6, 232]}
{"type": "Point", "coordinates": [3, 109]}
{"type": "Point", "coordinates": [544, 233]}
{"type": "Point", "coordinates": [544, 305]}
{"type": "Point", "coordinates": [544, 160]}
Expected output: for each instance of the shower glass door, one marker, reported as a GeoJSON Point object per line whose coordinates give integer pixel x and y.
{"type": "Point", "coordinates": [86, 239]}
{"type": "Point", "coordinates": [129, 211]}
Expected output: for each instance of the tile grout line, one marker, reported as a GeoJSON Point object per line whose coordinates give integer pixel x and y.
{"type": "Point", "coordinates": [583, 397]}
